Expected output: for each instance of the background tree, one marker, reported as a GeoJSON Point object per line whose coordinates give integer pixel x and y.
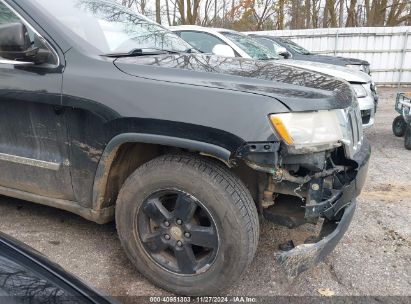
{"type": "Point", "coordinates": [158, 11]}
{"type": "Point", "coordinates": [275, 14]}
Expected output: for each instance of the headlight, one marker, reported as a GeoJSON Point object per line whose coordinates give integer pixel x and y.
{"type": "Point", "coordinates": [359, 90]}
{"type": "Point", "coordinates": [358, 67]}
{"type": "Point", "coordinates": [321, 129]}
{"type": "Point", "coordinates": [373, 87]}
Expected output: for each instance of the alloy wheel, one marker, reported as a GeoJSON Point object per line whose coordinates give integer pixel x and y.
{"type": "Point", "coordinates": [177, 232]}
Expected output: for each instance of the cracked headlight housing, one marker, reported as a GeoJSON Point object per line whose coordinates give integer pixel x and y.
{"type": "Point", "coordinates": [359, 90]}
{"type": "Point", "coordinates": [359, 67]}
{"type": "Point", "coordinates": [311, 131]}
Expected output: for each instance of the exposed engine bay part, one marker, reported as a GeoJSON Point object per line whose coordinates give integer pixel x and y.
{"type": "Point", "coordinates": [262, 157]}
{"type": "Point", "coordinates": [287, 212]}
{"type": "Point", "coordinates": [268, 196]}
{"type": "Point", "coordinates": [294, 195]}
{"type": "Point", "coordinates": [328, 199]}
{"type": "Point", "coordinates": [281, 175]}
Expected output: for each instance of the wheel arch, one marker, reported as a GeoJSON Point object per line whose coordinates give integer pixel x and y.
{"type": "Point", "coordinates": [113, 150]}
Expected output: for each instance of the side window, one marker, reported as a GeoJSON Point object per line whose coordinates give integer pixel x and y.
{"type": "Point", "coordinates": [269, 43]}
{"type": "Point", "coordinates": [6, 15]}
{"type": "Point", "coordinates": [201, 41]}
{"type": "Point", "coordinates": [277, 46]}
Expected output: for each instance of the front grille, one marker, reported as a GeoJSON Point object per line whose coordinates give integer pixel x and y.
{"type": "Point", "coordinates": [367, 69]}
{"type": "Point", "coordinates": [373, 88]}
{"type": "Point", "coordinates": [366, 116]}
{"type": "Point", "coordinates": [374, 92]}
{"type": "Point", "coordinates": [356, 133]}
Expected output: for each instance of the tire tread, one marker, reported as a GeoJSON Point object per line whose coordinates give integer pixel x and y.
{"type": "Point", "coordinates": [219, 174]}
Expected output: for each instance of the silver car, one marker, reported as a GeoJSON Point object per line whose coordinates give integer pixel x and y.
{"type": "Point", "coordinates": [229, 43]}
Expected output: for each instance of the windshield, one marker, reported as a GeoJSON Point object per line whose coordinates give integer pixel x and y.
{"type": "Point", "coordinates": [111, 28]}
{"type": "Point", "coordinates": [252, 47]}
{"type": "Point", "coordinates": [294, 46]}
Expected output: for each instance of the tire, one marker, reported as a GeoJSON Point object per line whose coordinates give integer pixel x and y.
{"type": "Point", "coordinates": [219, 196]}
{"type": "Point", "coordinates": [399, 126]}
{"type": "Point", "coordinates": [407, 138]}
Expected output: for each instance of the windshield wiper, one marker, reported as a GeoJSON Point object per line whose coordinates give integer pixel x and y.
{"type": "Point", "coordinates": [142, 52]}
{"type": "Point", "coordinates": [268, 58]}
{"type": "Point", "coordinates": [192, 51]}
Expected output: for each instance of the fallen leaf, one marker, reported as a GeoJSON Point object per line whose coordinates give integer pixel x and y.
{"type": "Point", "coordinates": [326, 292]}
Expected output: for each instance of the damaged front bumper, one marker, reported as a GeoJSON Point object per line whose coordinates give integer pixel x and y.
{"type": "Point", "coordinates": [304, 256]}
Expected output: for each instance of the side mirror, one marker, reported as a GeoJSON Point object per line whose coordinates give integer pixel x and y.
{"type": "Point", "coordinates": [15, 43]}
{"type": "Point", "coordinates": [223, 50]}
{"type": "Point", "coordinates": [282, 51]}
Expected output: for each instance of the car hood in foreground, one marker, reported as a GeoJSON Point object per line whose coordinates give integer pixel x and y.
{"type": "Point", "coordinates": [48, 281]}
{"type": "Point", "coordinates": [298, 89]}
{"type": "Point", "coordinates": [342, 72]}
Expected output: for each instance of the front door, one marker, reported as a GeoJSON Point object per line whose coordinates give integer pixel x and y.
{"type": "Point", "coordinates": [33, 136]}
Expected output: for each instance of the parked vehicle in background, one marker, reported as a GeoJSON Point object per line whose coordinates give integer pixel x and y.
{"type": "Point", "coordinates": [291, 50]}
{"type": "Point", "coordinates": [109, 115]}
{"type": "Point", "coordinates": [401, 126]}
{"type": "Point", "coordinates": [26, 276]}
{"type": "Point", "coordinates": [230, 43]}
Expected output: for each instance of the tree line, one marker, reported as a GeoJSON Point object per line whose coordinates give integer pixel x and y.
{"type": "Point", "coordinates": [275, 14]}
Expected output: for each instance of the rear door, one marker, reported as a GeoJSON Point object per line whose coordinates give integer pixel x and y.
{"type": "Point", "coordinates": [33, 136]}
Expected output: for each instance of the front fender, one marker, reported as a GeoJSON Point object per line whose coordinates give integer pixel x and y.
{"type": "Point", "coordinates": [108, 156]}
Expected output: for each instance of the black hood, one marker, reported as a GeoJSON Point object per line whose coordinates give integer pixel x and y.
{"type": "Point", "coordinates": [298, 89]}
{"type": "Point", "coordinates": [336, 60]}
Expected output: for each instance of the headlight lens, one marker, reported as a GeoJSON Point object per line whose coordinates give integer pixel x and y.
{"type": "Point", "coordinates": [309, 129]}
{"type": "Point", "coordinates": [359, 90]}
{"type": "Point", "coordinates": [358, 67]}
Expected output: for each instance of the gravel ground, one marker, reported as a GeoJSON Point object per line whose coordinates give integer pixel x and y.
{"type": "Point", "coordinates": [373, 258]}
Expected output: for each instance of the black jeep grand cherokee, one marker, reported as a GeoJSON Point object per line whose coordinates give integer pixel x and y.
{"type": "Point", "coordinates": [108, 115]}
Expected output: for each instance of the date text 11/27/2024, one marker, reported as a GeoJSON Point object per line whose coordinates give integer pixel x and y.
{"type": "Point", "coordinates": [234, 299]}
